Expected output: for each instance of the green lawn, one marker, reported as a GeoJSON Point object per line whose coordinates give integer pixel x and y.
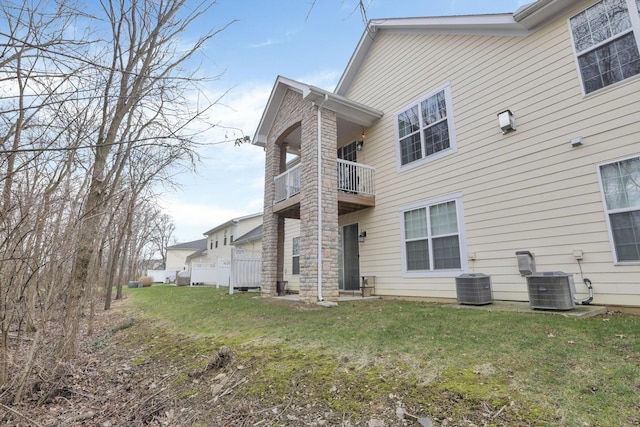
{"type": "Point", "coordinates": [476, 366]}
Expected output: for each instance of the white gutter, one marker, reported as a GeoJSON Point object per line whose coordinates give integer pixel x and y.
{"type": "Point", "coordinates": [326, 96]}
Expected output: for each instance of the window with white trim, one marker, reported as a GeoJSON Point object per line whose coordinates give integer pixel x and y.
{"type": "Point", "coordinates": [425, 128]}
{"type": "Point", "coordinates": [432, 238]}
{"type": "Point", "coordinates": [620, 183]}
{"type": "Point", "coordinates": [606, 38]}
{"type": "Point", "coordinates": [295, 256]}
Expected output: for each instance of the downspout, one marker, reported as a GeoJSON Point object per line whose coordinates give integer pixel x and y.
{"type": "Point", "coordinates": [320, 298]}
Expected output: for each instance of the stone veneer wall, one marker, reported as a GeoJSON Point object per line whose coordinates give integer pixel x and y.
{"type": "Point", "coordinates": [294, 112]}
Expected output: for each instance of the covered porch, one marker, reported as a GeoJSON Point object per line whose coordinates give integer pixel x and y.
{"type": "Point", "coordinates": [311, 138]}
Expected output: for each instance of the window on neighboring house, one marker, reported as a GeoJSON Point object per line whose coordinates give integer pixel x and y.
{"type": "Point", "coordinates": [216, 241]}
{"type": "Point", "coordinates": [225, 238]}
{"type": "Point", "coordinates": [231, 239]}
{"type": "Point", "coordinates": [211, 245]}
{"type": "Point", "coordinates": [606, 38]}
{"type": "Point", "coordinates": [295, 258]}
{"type": "Point", "coordinates": [432, 237]}
{"type": "Point", "coordinates": [425, 129]}
{"type": "Point", "coordinates": [621, 192]}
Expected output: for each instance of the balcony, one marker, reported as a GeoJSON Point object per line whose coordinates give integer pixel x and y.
{"type": "Point", "coordinates": [355, 189]}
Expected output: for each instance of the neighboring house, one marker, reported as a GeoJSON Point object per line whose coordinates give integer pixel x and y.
{"type": "Point", "coordinates": [405, 174]}
{"type": "Point", "coordinates": [219, 243]}
{"type": "Point", "coordinates": [251, 241]}
{"type": "Point", "coordinates": [179, 256]}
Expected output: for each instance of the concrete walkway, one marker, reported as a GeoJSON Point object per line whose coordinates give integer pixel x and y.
{"type": "Point", "coordinates": [580, 311]}
{"type": "Point", "coordinates": [583, 311]}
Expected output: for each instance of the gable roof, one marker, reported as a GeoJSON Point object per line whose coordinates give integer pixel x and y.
{"type": "Point", "coordinates": [255, 234]}
{"type": "Point", "coordinates": [196, 245]}
{"type": "Point", "coordinates": [343, 107]}
{"type": "Point", "coordinates": [196, 254]}
{"type": "Point", "coordinates": [231, 222]}
{"type": "Point", "coordinates": [522, 22]}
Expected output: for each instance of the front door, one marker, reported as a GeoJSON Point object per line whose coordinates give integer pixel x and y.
{"type": "Point", "coordinates": [350, 265]}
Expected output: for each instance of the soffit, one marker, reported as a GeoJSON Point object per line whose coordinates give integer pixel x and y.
{"type": "Point", "coordinates": [345, 109]}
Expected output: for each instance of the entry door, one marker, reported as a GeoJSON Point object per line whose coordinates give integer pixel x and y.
{"type": "Point", "coordinates": [351, 258]}
{"type": "Point", "coordinates": [348, 152]}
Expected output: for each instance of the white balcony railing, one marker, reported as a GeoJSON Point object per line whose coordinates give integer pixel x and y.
{"type": "Point", "coordinates": [353, 178]}
{"type": "Point", "coordinates": [287, 184]}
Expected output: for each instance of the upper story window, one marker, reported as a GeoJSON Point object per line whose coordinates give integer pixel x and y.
{"type": "Point", "coordinates": [620, 183]}
{"type": "Point", "coordinates": [225, 238]}
{"type": "Point", "coordinates": [606, 38]}
{"type": "Point", "coordinates": [425, 130]}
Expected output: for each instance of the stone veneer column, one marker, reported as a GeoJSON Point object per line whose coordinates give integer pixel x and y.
{"type": "Point", "coordinates": [309, 207]}
{"type": "Point", "coordinates": [296, 112]}
{"type": "Point", "coordinates": [272, 224]}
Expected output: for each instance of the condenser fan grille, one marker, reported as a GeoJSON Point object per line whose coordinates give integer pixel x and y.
{"type": "Point", "coordinates": [474, 289]}
{"type": "Point", "coordinates": [551, 291]}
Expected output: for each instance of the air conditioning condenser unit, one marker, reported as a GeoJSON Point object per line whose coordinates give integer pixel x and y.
{"type": "Point", "coordinates": [551, 290]}
{"type": "Point", "coordinates": [474, 289]}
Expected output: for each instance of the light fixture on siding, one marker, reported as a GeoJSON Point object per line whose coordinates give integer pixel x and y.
{"type": "Point", "coordinates": [362, 236]}
{"type": "Point", "coordinates": [507, 121]}
{"type": "Point", "coordinates": [359, 145]}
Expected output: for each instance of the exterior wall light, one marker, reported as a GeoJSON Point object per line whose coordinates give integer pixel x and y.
{"type": "Point", "coordinates": [507, 121]}
{"type": "Point", "coordinates": [359, 145]}
{"type": "Point", "coordinates": [362, 236]}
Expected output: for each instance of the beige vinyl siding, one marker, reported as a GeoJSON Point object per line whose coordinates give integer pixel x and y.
{"type": "Point", "coordinates": [527, 190]}
{"type": "Point", "coordinates": [176, 259]}
{"type": "Point", "coordinates": [246, 225]}
{"type": "Point", "coordinates": [292, 229]}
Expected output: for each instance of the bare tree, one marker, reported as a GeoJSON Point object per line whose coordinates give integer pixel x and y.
{"type": "Point", "coordinates": [162, 235]}
{"type": "Point", "coordinates": [141, 86]}
{"type": "Point", "coordinates": [89, 126]}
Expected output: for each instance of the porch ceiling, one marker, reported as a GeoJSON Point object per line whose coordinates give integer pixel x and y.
{"type": "Point", "coordinates": [345, 128]}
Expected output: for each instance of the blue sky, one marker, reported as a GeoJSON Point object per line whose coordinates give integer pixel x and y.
{"type": "Point", "coordinates": [271, 38]}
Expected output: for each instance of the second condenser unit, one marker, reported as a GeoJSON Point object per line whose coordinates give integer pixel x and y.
{"type": "Point", "coordinates": [474, 289]}
{"type": "Point", "coordinates": [551, 290]}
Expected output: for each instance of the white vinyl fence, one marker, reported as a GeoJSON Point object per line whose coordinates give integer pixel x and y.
{"type": "Point", "coordinates": [246, 266]}
{"type": "Point", "coordinates": [203, 273]}
{"type": "Point", "coordinates": [223, 272]}
{"type": "Point", "coordinates": [159, 276]}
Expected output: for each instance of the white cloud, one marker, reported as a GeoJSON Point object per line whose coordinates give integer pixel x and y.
{"type": "Point", "coordinates": [325, 79]}
{"type": "Point", "coordinates": [265, 43]}
{"type": "Point", "coordinates": [230, 180]}
{"type": "Point", "coordinates": [286, 37]}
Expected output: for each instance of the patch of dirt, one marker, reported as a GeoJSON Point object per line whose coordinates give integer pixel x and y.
{"type": "Point", "coordinates": [109, 383]}
{"type": "Point", "coordinates": [124, 375]}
